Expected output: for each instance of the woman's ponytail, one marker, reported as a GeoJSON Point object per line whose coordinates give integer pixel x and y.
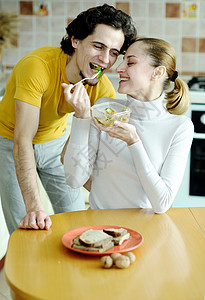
{"type": "Point", "coordinates": [178, 99]}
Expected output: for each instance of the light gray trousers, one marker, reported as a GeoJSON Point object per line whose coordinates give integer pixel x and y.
{"type": "Point", "coordinates": [51, 173]}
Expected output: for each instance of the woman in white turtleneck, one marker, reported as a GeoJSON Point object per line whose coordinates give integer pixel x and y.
{"type": "Point", "coordinates": [139, 164]}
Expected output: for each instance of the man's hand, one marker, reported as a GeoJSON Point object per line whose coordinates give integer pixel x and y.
{"type": "Point", "coordinates": [36, 220]}
{"type": "Point", "coordinates": [78, 99]}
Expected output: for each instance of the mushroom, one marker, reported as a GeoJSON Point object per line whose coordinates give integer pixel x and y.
{"type": "Point", "coordinates": [122, 262]}
{"type": "Point", "coordinates": [131, 256]}
{"type": "Point", "coordinates": [106, 261]}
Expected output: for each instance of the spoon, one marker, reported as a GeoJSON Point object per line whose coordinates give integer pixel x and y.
{"type": "Point", "coordinates": [95, 75]}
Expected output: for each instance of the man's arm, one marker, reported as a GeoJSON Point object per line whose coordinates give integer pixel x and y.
{"type": "Point", "coordinates": [26, 125]}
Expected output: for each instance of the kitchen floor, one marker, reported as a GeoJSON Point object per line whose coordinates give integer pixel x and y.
{"type": "Point", "coordinates": [4, 287]}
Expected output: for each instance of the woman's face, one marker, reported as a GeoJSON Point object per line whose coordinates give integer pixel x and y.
{"type": "Point", "coordinates": [135, 72]}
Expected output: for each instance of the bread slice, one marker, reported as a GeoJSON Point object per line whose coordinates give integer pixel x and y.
{"type": "Point", "coordinates": [94, 238]}
{"type": "Point", "coordinates": [77, 245]}
{"type": "Point", "coordinates": [119, 234]}
{"type": "Point", "coordinates": [115, 232]}
{"type": "Point", "coordinates": [100, 240]}
{"type": "Point", "coordinates": [120, 239]}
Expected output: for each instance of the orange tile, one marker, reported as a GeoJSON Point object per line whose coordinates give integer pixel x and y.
{"type": "Point", "coordinates": [14, 42]}
{"type": "Point", "coordinates": [173, 10]}
{"type": "Point", "coordinates": [201, 45]}
{"type": "Point", "coordinates": [26, 8]}
{"type": "Point", "coordinates": [193, 73]}
{"type": "Point", "coordinates": [124, 6]}
{"type": "Point", "coordinates": [188, 44]}
{"type": "Point", "coordinates": [69, 21]}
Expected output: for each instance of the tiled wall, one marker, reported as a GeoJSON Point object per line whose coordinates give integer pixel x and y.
{"type": "Point", "coordinates": [182, 23]}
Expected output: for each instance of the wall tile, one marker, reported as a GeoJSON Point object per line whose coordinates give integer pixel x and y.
{"type": "Point", "coordinates": [189, 28]}
{"type": "Point", "coordinates": [26, 50]}
{"type": "Point", "coordinates": [14, 42]}
{"type": "Point", "coordinates": [42, 39]}
{"type": "Point", "coordinates": [202, 45]}
{"type": "Point", "coordinates": [201, 64]}
{"type": "Point", "coordinates": [26, 40]}
{"type": "Point", "coordinates": [12, 6]}
{"type": "Point", "coordinates": [139, 9]}
{"type": "Point", "coordinates": [42, 24]}
{"type": "Point", "coordinates": [11, 56]}
{"type": "Point", "coordinates": [88, 4]}
{"type": "Point", "coordinates": [173, 27]}
{"type": "Point", "coordinates": [72, 9]}
{"type": "Point", "coordinates": [176, 42]}
{"type": "Point", "coordinates": [156, 9]}
{"type": "Point", "coordinates": [58, 8]}
{"type": "Point", "coordinates": [172, 10]}
{"type": "Point", "coordinates": [110, 2]}
{"type": "Point", "coordinates": [124, 6]}
{"type": "Point", "coordinates": [26, 24]}
{"type": "Point", "coordinates": [156, 18]}
{"type": "Point", "coordinates": [156, 28]}
{"type": "Point", "coordinates": [202, 28]}
{"type": "Point", "coordinates": [142, 27]}
{"type": "Point", "coordinates": [189, 62]}
{"type": "Point", "coordinates": [26, 8]}
{"type": "Point", "coordinates": [58, 24]}
{"type": "Point", "coordinates": [56, 39]}
{"type": "Point", "coordinates": [202, 9]}
{"type": "Point", "coordinates": [189, 44]}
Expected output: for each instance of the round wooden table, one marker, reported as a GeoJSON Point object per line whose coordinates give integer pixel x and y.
{"type": "Point", "coordinates": [170, 263]}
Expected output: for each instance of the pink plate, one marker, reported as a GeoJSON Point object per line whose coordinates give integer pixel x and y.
{"type": "Point", "coordinates": [134, 241]}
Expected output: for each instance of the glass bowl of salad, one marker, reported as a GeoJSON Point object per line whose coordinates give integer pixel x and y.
{"type": "Point", "coordinates": [109, 112]}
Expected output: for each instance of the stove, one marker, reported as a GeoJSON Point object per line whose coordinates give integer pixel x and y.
{"type": "Point", "coordinates": [192, 189]}
{"type": "Point", "coordinates": [197, 83]}
{"type": "Point", "coordinates": [197, 90]}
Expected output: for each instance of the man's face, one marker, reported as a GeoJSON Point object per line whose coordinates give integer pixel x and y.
{"type": "Point", "coordinates": [99, 49]}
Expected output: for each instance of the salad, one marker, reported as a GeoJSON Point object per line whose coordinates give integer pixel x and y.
{"type": "Point", "coordinates": [110, 115]}
{"type": "Point", "coordinates": [97, 69]}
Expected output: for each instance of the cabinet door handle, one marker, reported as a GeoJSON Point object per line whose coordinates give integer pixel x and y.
{"type": "Point", "coordinates": [202, 119]}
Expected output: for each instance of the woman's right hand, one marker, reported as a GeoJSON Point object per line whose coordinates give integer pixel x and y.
{"type": "Point", "coordinates": [78, 99]}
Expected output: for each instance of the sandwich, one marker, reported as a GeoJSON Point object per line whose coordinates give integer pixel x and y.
{"type": "Point", "coordinates": [93, 240]}
{"type": "Point", "coordinates": [100, 240]}
{"type": "Point", "coordinates": [119, 235]}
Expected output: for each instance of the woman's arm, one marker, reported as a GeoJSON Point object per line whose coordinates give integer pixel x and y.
{"type": "Point", "coordinates": [160, 188]}
{"type": "Point", "coordinates": [81, 151]}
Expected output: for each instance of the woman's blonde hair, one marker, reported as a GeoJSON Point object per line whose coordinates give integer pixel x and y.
{"type": "Point", "coordinates": [163, 54]}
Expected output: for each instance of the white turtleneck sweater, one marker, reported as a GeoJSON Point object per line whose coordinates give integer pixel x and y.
{"type": "Point", "coordinates": [146, 174]}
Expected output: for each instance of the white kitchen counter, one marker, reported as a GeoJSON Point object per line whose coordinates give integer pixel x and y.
{"type": "Point", "coordinates": [197, 97]}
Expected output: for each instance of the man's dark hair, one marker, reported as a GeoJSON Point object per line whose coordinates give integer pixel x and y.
{"type": "Point", "coordinates": [85, 23]}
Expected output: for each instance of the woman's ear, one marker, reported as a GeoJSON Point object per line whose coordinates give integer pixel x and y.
{"type": "Point", "coordinates": [74, 42]}
{"type": "Point", "coordinates": [159, 72]}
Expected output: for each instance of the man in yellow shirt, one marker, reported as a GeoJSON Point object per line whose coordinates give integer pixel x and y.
{"type": "Point", "coordinates": [33, 113]}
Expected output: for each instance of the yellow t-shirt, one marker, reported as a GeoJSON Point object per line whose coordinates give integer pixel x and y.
{"type": "Point", "coordinates": [36, 79]}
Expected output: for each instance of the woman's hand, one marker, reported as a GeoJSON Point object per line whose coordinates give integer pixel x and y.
{"type": "Point", "coordinates": [123, 131]}
{"type": "Point", "coordinates": [78, 99]}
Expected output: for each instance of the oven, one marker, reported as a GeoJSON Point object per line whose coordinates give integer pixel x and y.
{"type": "Point", "coordinates": [197, 156]}
{"type": "Point", "coordinates": [192, 190]}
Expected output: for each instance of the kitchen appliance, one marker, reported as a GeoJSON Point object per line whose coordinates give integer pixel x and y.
{"type": "Point", "coordinates": [192, 189]}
